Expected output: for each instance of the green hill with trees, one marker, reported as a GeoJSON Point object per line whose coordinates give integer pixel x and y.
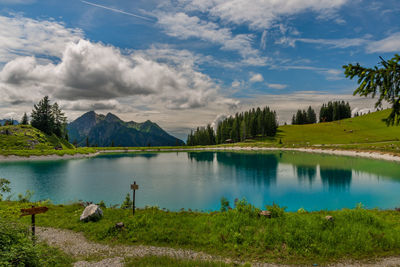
{"type": "Point", "coordinates": [23, 137]}
{"type": "Point", "coordinates": [365, 129]}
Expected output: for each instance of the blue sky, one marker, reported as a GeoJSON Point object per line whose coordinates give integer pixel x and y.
{"type": "Point", "coordinates": [186, 63]}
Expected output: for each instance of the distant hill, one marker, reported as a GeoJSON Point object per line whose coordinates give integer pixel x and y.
{"type": "Point", "coordinates": [363, 129]}
{"type": "Point", "coordinates": [103, 130]}
{"type": "Point", "coordinates": [2, 121]}
{"type": "Point", "coordinates": [17, 137]}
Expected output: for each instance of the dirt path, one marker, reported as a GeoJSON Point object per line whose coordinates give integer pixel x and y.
{"type": "Point", "coordinates": [77, 245]}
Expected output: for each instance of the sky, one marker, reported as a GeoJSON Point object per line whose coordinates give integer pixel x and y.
{"type": "Point", "coordinates": [187, 63]}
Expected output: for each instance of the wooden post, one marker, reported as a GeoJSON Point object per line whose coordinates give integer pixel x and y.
{"type": "Point", "coordinates": [134, 187]}
{"type": "Point", "coordinates": [33, 227]}
{"type": "Point", "coordinates": [32, 211]}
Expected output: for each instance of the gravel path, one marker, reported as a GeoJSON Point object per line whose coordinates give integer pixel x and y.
{"type": "Point", "coordinates": [77, 245]}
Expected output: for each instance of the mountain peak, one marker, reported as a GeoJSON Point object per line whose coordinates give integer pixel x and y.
{"type": "Point", "coordinates": [103, 130]}
{"type": "Point", "coordinates": [112, 118]}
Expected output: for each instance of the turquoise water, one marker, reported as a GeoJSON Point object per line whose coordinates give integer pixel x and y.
{"type": "Point", "coordinates": [198, 180]}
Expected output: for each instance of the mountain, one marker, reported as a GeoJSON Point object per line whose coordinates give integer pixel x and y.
{"type": "Point", "coordinates": [105, 130]}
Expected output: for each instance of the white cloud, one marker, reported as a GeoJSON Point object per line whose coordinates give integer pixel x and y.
{"type": "Point", "coordinates": [335, 43]}
{"type": "Point", "coordinates": [237, 84]}
{"type": "Point", "coordinates": [257, 14]}
{"type": "Point", "coordinates": [94, 71]}
{"type": "Point", "coordinates": [256, 77]}
{"type": "Point", "coordinates": [85, 105]}
{"type": "Point", "coordinates": [17, 2]}
{"type": "Point", "coordinates": [388, 44]}
{"type": "Point", "coordinates": [182, 26]}
{"type": "Point", "coordinates": [217, 120]}
{"type": "Point", "coordinates": [276, 86]}
{"type": "Point", "coordinates": [263, 43]}
{"type": "Point", "coordinates": [84, 72]}
{"type": "Point", "coordinates": [330, 74]}
{"type": "Point", "coordinates": [25, 36]}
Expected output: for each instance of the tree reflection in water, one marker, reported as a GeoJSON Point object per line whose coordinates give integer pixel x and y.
{"type": "Point", "coordinates": [336, 179]}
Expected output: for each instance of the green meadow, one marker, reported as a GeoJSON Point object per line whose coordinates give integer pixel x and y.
{"type": "Point", "coordinates": [240, 233]}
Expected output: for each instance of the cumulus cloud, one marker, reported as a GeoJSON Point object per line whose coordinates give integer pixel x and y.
{"type": "Point", "coordinates": [256, 77]}
{"type": "Point", "coordinates": [25, 36]}
{"type": "Point", "coordinates": [94, 71]}
{"type": "Point", "coordinates": [217, 120]}
{"type": "Point", "coordinates": [83, 72]}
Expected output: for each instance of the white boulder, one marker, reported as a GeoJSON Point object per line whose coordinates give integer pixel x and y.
{"type": "Point", "coordinates": [91, 213]}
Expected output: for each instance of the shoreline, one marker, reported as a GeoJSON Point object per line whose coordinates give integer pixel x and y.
{"type": "Point", "coordinates": [14, 158]}
{"type": "Point", "coordinates": [337, 152]}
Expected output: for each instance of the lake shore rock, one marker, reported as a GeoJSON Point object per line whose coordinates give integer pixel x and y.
{"type": "Point", "coordinates": [91, 213]}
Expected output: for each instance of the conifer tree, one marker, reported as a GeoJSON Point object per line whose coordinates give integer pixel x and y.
{"type": "Point", "coordinates": [25, 120]}
{"type": "Point", "coordinates": [42, 116]}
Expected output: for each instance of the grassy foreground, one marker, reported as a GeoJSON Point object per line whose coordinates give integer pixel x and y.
{"type": "Point", "coordinates": [289, 237]}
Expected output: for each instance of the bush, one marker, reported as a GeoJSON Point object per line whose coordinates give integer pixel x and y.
{"type": "Point", "coordinates": [4, 187]}
{"type": "Point", "coordinates": [16, 249]}
{"type": "Point", "coordinates": [127, 204]}
{"type": "Point", "coordinates": [25, 198]}
{"type": "Point", "coordinates": [224, 204]}
{"type": "Point", "coordinates": [276, 211]}
{"type": "Point", "coordinates": [101, 204]}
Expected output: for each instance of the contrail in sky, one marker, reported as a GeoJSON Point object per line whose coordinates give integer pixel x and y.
{"type": "Point", "coordinates": [117, 10]}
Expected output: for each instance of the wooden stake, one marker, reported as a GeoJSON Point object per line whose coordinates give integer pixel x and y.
{"type": "Point", "coordinates": [134, 187]}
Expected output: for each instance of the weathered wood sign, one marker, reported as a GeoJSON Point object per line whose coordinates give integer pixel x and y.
{"type": "Point", "coordinates": [134, 187]}
{"type": "Point", "coordinates": [33, 211]}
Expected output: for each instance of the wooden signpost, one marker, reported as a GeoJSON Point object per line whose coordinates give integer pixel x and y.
{"type": "Point", "coordinates": [134, 187]}
{"type": "Point", "coordinates": [33, 211]}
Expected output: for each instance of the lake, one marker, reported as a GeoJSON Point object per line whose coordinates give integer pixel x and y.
{"type": "Point", "coordinates": [198, 180]}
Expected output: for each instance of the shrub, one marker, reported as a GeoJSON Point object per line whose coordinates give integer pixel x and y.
{"type": "Point", "coordinates": [4, 187]}
{"type": "Point", "coordinates": [16, 249]}
{"type": "Point", "coordinates": [276, 211]}
{"type": "Point", "coordinates": [101, 204]}
{"type": "Point", "coordinates": [25, 198]}
{"type": "Point", "coordinates": [224, 204]}
{"type": "Point", "coordinates": [127, 204]}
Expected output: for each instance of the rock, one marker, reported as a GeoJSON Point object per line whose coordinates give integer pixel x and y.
{"type": "Point", "coordinates": [91, 213]}
{"type": "Point", "coordinates": [329, 218]}
{"type": "Point", "coordinates": [265, 213]}
{"type": "Point", "coordinates": [119, 225]}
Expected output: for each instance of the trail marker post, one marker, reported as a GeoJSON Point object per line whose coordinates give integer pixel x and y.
{"type": "Point", "coordinates": [33, 211]}
{"type": "Point", "coordinates": [134, 187]}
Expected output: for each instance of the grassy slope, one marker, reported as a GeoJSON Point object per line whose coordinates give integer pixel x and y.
{"type": "Point", "coordinates": [25, 140]}
{"type": "Point", "coordinates": [368, 128]}
{"type": "Point", "coordinates": [367, 132]}
{"type": "Point", "coordinates": [19, 137]}
{"type": "Point", "coordinates": [294, 237]}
